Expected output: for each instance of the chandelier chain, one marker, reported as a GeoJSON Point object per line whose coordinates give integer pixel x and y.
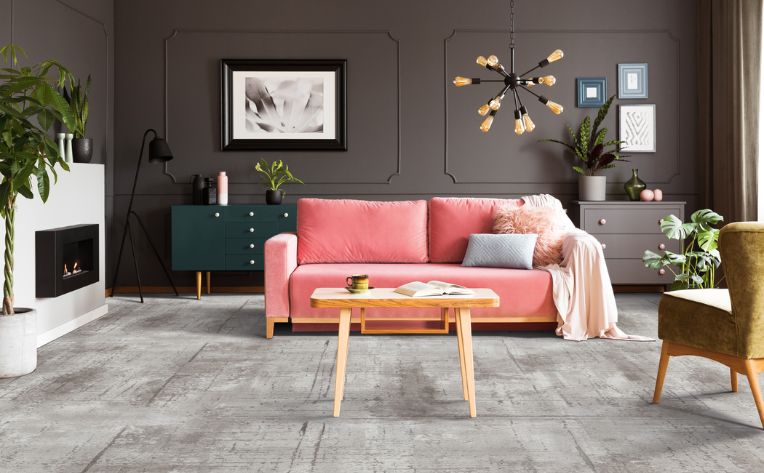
{"type": "Point", "coordinates": [511, 23]}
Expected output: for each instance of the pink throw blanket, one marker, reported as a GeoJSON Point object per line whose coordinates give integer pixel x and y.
{"type": "Point", "coordinates": [582, 291]}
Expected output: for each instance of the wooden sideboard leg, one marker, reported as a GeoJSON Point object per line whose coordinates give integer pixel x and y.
{"type": "Point", "coordinates": [270, 324]}
{"type": "Point", "coordinates": [209, 283]}
{"type": "Point", "coordinates": [198, 285]}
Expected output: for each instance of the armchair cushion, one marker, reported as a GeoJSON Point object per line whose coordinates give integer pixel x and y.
{"type": "Point", "coordinates": [699, 318]}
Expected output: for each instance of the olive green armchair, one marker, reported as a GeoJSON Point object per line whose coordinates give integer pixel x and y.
{"type": "Point", "coordinates": [724, 325]}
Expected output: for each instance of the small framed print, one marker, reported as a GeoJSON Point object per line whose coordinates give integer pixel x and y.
{"type": "Point", "coordinates": [283, 104]}
{"type": "Point", "coordinates": [591, 92]}
{"type": "Point", "coordinates": [637, 128]}
{"type": "Point", "coordinates": [632, 81]}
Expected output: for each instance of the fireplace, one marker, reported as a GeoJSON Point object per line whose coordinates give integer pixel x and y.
{"type": "Point", "coordinates": [66, 259]}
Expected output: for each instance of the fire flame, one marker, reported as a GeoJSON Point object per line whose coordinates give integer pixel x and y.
{"type": "Point", "coordinates": [74, 268]}
{"type": "Point", "coordinates": [66, 270]}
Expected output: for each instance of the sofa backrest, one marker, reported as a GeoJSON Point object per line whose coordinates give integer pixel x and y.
{"type": "Point", "coordinates": [359, 231]}
{"type": "Point", "coordinates": [453, 220]}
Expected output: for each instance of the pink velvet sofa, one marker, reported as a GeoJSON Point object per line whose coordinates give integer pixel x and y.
{"type": "Point", "coordinates": [394, 243]}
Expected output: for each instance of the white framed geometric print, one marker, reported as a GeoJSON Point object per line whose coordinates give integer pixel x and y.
{"type": "Point", "coordinates": [637, 128]}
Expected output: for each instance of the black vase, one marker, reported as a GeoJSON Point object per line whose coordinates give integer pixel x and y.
{"type": "Point", "coordinates": [82, 150]}
{"type": "Point", "coordinates": [197, 190]}
{"type": "Point", "coordinates": [273, 197]}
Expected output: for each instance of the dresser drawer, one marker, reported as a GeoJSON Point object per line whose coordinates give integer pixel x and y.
{"type": "Point", "coordinates": [633, 271]}
{"type": "Point", "coordinates": [260, 213]}
{"type": "Point", "coordinates": [252, 262]}
{"type": "Point", "coordinates": [249, 230]}
{"type": "Point", "coordinates": [616, 245]}
{"type": "Point", "coordinates": [625, 220]}
{"type": "Point", "coordinates": [244, 246]}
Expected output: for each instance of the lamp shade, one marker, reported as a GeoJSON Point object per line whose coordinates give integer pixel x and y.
{"type": "Point", "coordinates": [159, 151]}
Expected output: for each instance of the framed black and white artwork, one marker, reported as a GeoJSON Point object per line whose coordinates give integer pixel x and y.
{"type": "Point", "coordinates": [283, 104]}
{"type": "Point", "coordinates": [637, 128]}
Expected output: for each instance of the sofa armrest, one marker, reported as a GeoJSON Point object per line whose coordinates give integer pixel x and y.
{"type": "Point", "coordinates": [280, 262]}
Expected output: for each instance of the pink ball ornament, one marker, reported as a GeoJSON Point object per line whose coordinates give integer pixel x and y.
{"type": "Point", "coordinates": [658, 195]}
{"type": "Point", "coordinates": [646, 195]}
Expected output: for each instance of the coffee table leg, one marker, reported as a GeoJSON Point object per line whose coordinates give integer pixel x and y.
{"type": "Point", "coordinates": [342, 359]}
{"type": "Point", "coordinates": [465, 321]}
{"type": "Point", "coordinates": [457, 322]}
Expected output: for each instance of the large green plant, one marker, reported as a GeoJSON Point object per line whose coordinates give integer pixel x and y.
{"type": "Point", "coordinates": [30, 103]}
{"type": "Point", "coordinates": [695, 266]}
{"type": "Point", "coordinates": [275, 174]}
{"type": "Point", "coordinates": [77, 97]}
{"type": "Point", "coordinates": [592, 150]}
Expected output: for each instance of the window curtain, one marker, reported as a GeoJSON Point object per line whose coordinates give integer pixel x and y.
{"type": "Point", "coordinates": [729, 53]}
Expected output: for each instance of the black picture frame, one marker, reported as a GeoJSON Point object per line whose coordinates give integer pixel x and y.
{"type": "Point", "coordinates": [229, 66]}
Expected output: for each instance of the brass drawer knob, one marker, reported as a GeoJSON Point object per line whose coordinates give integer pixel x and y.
{"type": "Point", "coordinates": [251, 230]}
{"type": "Point", "coordinates": [251, 245]}
{"type": "Point", "coordinates": [217, 214]}
{"type": "Point", "coordinates": [251, 261]}
{"type": "Point", "coordinates": [662, 246]}
{"type": "Point", "coordinates": [286, 215]}
{"type": "Point", "coordinates": [251, 214]}
{"type": "Point", "coordinates": [661, 271]}
{"type": "Point", "coordinates": [602, 221]}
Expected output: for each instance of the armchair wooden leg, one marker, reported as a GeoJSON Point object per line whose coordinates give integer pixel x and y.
{"type": "Point", "coordinates": [753, 381]}
{"type": "Point", "coordinates": [662, 367]}
{"type": "Point", "coordinates": [733, 380]}
{"type": "Point", "coordinates": [270, 324]}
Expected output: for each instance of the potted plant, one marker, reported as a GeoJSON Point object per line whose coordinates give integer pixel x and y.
{"type": "Point", "coordinates": [30, 103]}
{"type": "Point", "coordinates": [695, 267]}
{"type": "Point", "coordinates": [77, 97]}
{"type": "Point", "coordinates": [275, 175]}
{"type": "Point", "coordinates": [593, 152]}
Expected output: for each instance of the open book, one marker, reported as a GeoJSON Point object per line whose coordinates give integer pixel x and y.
{"type": "Point", "coordinates": [433, 288]}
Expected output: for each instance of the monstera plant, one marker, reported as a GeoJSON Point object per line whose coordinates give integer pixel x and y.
{"type": "Point", "coordinates": [695, 267]}
{"type": "Point", "coordinates": [30, 103]}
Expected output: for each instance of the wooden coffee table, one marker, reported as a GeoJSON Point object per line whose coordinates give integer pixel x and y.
{"type": "Point", "coordinates": [341, 299]}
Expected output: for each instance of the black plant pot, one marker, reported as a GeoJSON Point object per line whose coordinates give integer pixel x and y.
{"type": "Point", "coordinates": [273, 197]}
{"type": "Point", "coordinates": [82, 150]}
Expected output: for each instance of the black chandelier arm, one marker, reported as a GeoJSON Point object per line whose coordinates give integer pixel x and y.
{"type": "Point", "coordinates": [519, 99]}
{"type": "Point", "coordinates": [530, 91]}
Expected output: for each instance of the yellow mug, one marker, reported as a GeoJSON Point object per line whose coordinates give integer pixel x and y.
{"type": "Point", "coordinates": [358, 281]}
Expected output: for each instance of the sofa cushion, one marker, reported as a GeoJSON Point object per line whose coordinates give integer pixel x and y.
{"type": "Point", "coordinates": [522, 293]}
{"type": "Point", "coordinates": [500, 251]}
{"type": "Point", "coordinates": [454, 219]}
{"type": "Point", "coordinates": [359, 231]}
{"type": "Point", "coordinates": [698, 318]}
{"type": "Point", "coordinates": [550, 224]}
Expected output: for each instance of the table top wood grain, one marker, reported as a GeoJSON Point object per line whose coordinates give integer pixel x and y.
{"type": "Point", "coordinates": [340, 298]}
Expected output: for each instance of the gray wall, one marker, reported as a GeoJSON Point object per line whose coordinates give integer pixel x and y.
{"type": "Point", "coordinates": [79, 33]}
{"type": "Point", "coordinates": [411, 134]}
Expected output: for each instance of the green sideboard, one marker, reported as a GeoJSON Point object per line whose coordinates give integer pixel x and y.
{"type": "Point", "coordinates": [225, 237]}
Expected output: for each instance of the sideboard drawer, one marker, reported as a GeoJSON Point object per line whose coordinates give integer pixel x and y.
{"type": "Point", "coordinates": [252, 262]}
{"type": "Point", "coordinates": [251, 230]}
{"type": "Point", "coordinates": [616, 220]}
{"type": "Point", "coordinates": [244, 246]}
{"type": "Point", "coordinates": [633, 271]}
{"type": "Point", "coordinates": [616, 245]}
{"type": "Point", "coordinates": [260, 213]}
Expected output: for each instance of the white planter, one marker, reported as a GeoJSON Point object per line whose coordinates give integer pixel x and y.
{"type": "Point", "coordinates": [592, 188]}
{"type": "Point", "coordinates": [18, 343]}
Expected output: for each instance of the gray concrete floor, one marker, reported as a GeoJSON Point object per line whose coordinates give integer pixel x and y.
{"type": "Point", "coordinates": [181, 385]}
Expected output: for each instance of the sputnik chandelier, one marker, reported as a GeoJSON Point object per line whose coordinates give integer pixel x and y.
{"type": "Point", "coordinates": [513, 82]}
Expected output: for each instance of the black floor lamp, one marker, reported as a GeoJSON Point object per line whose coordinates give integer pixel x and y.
{"type": "Point", "coordinates": [159, 152]}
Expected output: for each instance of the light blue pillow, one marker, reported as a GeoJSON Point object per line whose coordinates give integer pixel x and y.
{"type": "Point", "coordinates": [500, 250]}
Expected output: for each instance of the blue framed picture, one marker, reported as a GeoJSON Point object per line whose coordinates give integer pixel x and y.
{"type": "Point", "coordinates": [632, 81]}
{"type": "Point", "coordinates": [591, 92]}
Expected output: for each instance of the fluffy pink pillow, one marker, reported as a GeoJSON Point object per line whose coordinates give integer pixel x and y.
{"type": "Point", "coordinates": [548, 223]}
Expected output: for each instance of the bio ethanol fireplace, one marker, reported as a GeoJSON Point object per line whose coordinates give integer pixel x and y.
{"type": "Point", "coordinates": [66, 259]}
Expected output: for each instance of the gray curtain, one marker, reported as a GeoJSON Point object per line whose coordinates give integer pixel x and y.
{"type": "Point", "coordinates": [729, 54]}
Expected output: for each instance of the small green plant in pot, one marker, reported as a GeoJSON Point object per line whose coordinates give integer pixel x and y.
{"type": "Point", "coordinates": [30, 103]}
{"type": "Point", "coordinates": [592, 152]}
{"type": "Point", "coordinates": [695, 267]}
{"type": "Point", "coordinates": [77, 97]}
{"type": "Point", "coordinates": [275, 175]}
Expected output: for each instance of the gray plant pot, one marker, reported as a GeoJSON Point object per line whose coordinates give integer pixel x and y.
{"type": "Point", "coordinates": [592, 188]}
{"type": "Point", "coordinates": [18, 343]}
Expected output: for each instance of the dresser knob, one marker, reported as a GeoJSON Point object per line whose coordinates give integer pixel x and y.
{"type": "Point", "coordinates": [251, 230]}
{"type": "Point", "coordinates": [661, 271]}
{"type": "Point", "coordinates": [286, 215]}
{"type": "Point", "coordinates": [604, 246]}
{"type": "Point", "coordinates": [217, 214]}
{"type": "Point", "coordinates": [602, 221]}
{"type": "Point", "coordinates": [251, 214]}
{"type": "Point", "coordinates": [251, 261]}
{"type": "Point", "coordinates": [662, 246]}
{"type": "Point", "coordinates": [251, 245]}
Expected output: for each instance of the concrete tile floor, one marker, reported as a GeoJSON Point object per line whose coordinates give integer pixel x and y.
{"type": "Point", "coordinates": [187, 386]}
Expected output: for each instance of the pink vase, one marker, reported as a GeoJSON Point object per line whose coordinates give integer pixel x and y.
{"type": "Point", "coordinates": [222, 188]}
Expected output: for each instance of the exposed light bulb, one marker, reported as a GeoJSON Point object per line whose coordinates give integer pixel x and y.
{"type": "Point", "coordinates": [548, 80]}
{"type": "Point", "coordinates": [492, 60]}
{"type": "Point", "coordinates": [556, 108]}
{"type": "Point", "coordinates": [529, 125]}
{"type": "Point", "coordinates": [484, 109]}
{"type": "Point", "coordinates": [482, 61]}
{"type": "Point", "coordinates": [486, 125]}
{"type": "Point", "coordinates": [495, 104]}
{"type": "Point", "coordinates": [460, 81]}
{"type": "Point", "coordinates": [556, 55]}
{"type": "Point", "coordinates": [519, 128]}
